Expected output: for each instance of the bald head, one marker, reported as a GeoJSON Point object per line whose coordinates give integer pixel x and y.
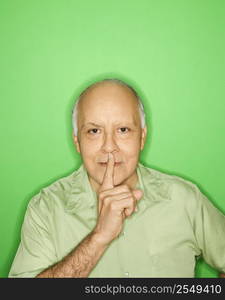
{"type": "Point", "coordinates": [107, 83]}
{"type": "Point", "coordinates": [107, 91]}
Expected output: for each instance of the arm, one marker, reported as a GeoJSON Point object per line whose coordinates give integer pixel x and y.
{"type": "Point", "coordinates": [210, 231]}
{"type": "Point", "coordinates": [80, 262]}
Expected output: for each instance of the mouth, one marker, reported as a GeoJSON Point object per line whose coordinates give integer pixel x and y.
{"type": "Point", "coordinates": [104, 164]}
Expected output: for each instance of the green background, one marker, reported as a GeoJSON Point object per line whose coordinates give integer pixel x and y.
{"type": "Point", "coordinates": [172, 51]}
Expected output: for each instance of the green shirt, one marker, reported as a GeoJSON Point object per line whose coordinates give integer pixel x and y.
{"type": "Point", "coordinates": [175, 224]}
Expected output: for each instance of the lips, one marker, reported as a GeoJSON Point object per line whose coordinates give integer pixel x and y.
{"type": "Point", "coordinates": [116, 164]}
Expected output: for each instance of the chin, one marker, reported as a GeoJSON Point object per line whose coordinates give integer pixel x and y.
{"type": "Point", "coordinates": [120, 180]}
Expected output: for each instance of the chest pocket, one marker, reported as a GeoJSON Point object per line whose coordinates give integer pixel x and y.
{"type": "Point", "coordinates": [174, 263]}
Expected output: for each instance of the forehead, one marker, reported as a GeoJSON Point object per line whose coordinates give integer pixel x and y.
{"type": "Point", "coordinates": [108, 102]}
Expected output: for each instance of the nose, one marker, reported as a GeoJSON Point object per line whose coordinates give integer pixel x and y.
{"type": "Point", "coordinates": [109, 143]}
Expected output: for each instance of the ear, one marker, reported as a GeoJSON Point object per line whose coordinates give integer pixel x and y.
{"type": "Point", "coordinates": [76, 142]}
{"type": "Point", "coordinates": [143, 136]}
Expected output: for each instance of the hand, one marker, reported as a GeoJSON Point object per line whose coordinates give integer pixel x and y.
{"type": "Point", "coordinates": [114, 205]}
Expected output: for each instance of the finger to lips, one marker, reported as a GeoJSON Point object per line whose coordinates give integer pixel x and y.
{"type": "Point", "coordinates": [108, 176]}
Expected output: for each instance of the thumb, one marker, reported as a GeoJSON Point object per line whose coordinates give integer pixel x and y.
{"type": "Point", "coordinates": [138, 194]}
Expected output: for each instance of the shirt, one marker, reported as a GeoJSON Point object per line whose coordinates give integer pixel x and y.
{"type": "Point", "coordinates": [175, 224]}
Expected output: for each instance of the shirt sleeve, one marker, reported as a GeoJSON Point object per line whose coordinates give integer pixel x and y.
{"type": "Point", "coordinates": [209, 229]}
{"type": "Point", "coordinates": [36, 250]}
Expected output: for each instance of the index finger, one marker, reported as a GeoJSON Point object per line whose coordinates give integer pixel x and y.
{"type": "Point", "coordinates": [108, 176]}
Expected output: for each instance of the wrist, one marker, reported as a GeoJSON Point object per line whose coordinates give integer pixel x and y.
{"type": "Point", "coordinates": [99, 239]}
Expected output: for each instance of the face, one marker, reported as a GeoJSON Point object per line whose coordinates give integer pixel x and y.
{"type": "Point", "coordinates": [109, 121]}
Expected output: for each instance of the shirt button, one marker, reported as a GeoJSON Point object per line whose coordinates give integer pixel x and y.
{"type": "Point", "coordinates": [126, 274]}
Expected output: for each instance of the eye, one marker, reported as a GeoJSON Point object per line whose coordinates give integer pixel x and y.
{"type": "Point", "coordinates": [93, 130]}
{"type": "Point", "coordinates": [124, 129]}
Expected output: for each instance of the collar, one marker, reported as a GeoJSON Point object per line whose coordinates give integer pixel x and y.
{"type": "Point", "coordinates": [81, 194]}
{"type": "Point", "coordinates": [154, 184]}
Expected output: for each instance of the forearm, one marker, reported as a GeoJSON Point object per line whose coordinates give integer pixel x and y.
{"type": "Point", "coordinates": [79, 262]}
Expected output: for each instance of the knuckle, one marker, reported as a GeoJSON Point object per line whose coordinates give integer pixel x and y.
{"type": "Point", "coordinates": [131, 203]}
{"type": "Point", "coordinates": [102, 195]}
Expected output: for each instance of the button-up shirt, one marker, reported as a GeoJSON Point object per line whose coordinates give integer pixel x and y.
{"type": "Point", "coordinates": [175, 225]}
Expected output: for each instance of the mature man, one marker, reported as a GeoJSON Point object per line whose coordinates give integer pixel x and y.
{"type": "Point", "coordinates": [113, 217]}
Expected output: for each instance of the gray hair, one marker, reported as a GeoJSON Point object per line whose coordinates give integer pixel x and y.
{"type": "Point", "coordinates": [116, 81]}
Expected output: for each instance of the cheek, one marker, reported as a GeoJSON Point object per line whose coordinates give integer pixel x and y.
{"type": "Point", "coordinates": [130, 148]}
{"type": "Point", "coordinates": [89, 149]}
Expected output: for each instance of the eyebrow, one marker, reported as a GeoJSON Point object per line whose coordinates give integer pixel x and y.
{"type": "Point", "coordinates": [90, 123]}
{"type": "Point", "coordinates": [117, 124]}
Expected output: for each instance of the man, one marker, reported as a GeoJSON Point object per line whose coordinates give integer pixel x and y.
{"type": "Point", "coordinates": [113, 217]}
